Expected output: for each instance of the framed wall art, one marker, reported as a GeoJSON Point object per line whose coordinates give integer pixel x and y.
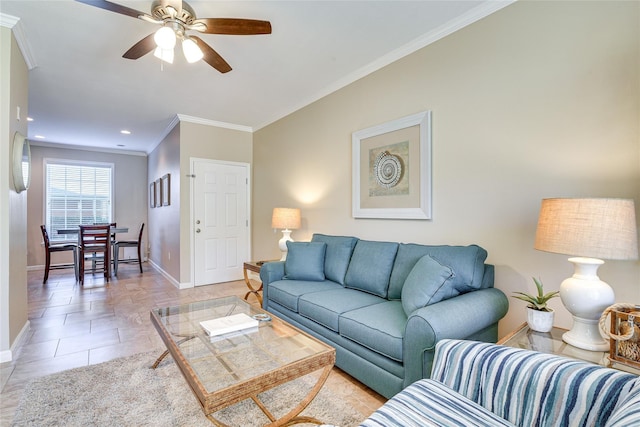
{"type": "Point", "coordinates": [152, 195]}
{"type": "Point", "coordinates": [158, 185]}
{"type": "Point", "coordinates": [166, 189]}
{"type": "Point", "coordinates": [392, 169]}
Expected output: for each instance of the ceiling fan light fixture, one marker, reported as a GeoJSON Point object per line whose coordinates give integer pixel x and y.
{"type": "Point", "coordinates": [165, 38]}
{"type": "Point", "coordinates": [165, 55]}
{"type": "Point", "coordinates": [191, 51]}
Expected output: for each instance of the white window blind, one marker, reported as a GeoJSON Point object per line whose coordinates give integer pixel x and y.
{"type": "Point", "coordinates": [76, 193]}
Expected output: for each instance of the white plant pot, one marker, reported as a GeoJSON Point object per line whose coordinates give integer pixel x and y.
{"type": "Point", "coordinates": [540, 321]}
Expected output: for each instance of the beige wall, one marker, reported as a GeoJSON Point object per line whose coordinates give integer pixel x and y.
{"type": "Point", "coordinates": [534, 101]}
{"type": "Point", "coordinates": [130, 195]}
{"type": "Point", "coordinates": [205, 142]}
{"type": "Point", "coordinates": [13, 206]}
{"type": "Point", "coordinates": [171, 251]}
{"type": "Point", "coordinates": [164, 222]}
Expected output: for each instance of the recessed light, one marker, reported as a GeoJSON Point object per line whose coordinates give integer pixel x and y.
{"type": "Point", "coordinates": [125, 132]}
{"type": "Point", "coordinates": [40, 136]}
{"type": "Point", "coordinates": [29, 119]}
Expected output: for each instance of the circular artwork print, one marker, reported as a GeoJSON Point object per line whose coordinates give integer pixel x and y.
{"type": "Point", "coordinates": [387, 169]}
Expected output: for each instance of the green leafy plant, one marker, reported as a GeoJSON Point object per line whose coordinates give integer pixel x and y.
{"type": "Point", "coordinates": [537, 302]}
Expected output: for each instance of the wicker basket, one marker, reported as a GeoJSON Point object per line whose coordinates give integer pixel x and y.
{"type": "Point", "coordinates": [625, 336]}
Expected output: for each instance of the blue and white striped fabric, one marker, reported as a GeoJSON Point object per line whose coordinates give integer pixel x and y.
{"type": "Point", "coordinates": [481, 384]}
{"type": "Point", "coordinates": [427, 403]}
{"type": "Point", "coordinates": [535, 389]}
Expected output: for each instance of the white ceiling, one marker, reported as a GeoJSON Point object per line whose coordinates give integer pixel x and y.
{"type": "Point", "coordinates": [82, 92]}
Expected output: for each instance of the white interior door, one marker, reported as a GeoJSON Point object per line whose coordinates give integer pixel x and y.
{"type": "Point", "coordinates": [220, 220]}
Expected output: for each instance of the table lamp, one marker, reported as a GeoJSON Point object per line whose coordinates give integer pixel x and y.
{"type": "Point", "coordinates": [286, 219]}
{"type": "Point", "coordinates": [590, 229]}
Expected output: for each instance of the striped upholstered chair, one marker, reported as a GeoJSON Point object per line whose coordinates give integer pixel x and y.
{"type": "Point", "coordinates": [481, 384]}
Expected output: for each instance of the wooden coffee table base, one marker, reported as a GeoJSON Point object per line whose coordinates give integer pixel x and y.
{"type": "Point", "coordinates": [291, 418]}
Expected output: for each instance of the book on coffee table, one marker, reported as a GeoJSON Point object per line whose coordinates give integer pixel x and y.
{"type": "Point", "coordinates": [228, 324]}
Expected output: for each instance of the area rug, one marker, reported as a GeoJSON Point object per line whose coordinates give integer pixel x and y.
{"type": "Point", "coordinates": [126, 392]}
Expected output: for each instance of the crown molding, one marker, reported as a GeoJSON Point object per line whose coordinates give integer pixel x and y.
{"type": "Point", "coordinates": [485, 9]}
{"type": "Point", "coordinates": [43, 144]}
{"type": "Point", "coordinates": [21, 38]}
{"type": "Point", "coordinates": [214, 123]}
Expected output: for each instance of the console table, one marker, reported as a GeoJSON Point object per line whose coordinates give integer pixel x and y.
{"type": "Point", "coordinates": [551, 342]}
{"type": "Point", "coordinates": [255, 287]}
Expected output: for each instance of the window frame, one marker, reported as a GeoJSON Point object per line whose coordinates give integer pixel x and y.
{"type": "Point", "coordinates": [46, 214]}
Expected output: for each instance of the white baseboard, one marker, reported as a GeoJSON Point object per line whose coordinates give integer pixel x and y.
{"type": "Point", "coordinates": [7, 355]}
{"type": "Point", "coordinates": [169, 277]}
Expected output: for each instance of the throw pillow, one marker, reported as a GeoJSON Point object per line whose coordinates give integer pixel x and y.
{"type": "Point", "coordinates": [305, 261]}
{"type": "Point", "coordinates": [338, 254]}
{"type": "Point", "coordinates": [370, 267]}
{"type": "Point", "coordinates": [427, 283]}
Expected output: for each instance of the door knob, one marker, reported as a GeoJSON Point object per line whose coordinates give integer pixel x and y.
{"type": "Point", "coordinates": [197, 230]}
{"type": "Point", "coordinates": [197, 221]}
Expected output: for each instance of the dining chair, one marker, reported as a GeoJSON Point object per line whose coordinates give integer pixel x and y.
{"type": "Point", "coordinates": [95, 246]}
{"type": "Point", "coordinates": [57, 247]}
{"type": "Point", "coordinates": [128, 244]}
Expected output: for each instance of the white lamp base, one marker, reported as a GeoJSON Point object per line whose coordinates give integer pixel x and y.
{"type": "Point", "coordinates": [282, 243]}
{"type": "Point", "coordinates": [585, 296]}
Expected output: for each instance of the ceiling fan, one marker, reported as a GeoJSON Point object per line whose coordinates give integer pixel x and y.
{"type": "Point", "coordinates": [176, 18]}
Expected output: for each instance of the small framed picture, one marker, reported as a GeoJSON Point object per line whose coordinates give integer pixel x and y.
{"type": "Point", "coordinates": [152, 195]}
{"type": "Point", "coordinates": [158, 185]}
{"type": "Point", "coordinates": [166, 190]}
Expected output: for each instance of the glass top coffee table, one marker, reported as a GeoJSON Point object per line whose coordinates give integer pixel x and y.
{"type": "Point", "coordinates": [224, 370]}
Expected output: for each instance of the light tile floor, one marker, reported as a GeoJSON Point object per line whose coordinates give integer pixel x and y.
{"type": "Point", "coordinates": [73, 326]}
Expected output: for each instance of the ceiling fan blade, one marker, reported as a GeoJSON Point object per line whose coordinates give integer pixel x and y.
{"type": "Point", "coordinates": [113, 7]}
{"type": "Point", "coordinates": [141, 48]}
{"type": "Point", "coordinates": [233, 26]}
{"type": "Point", "coordinates": [212, 57]}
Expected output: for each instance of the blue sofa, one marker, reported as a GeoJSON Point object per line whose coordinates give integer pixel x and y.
{"type": "Point", "coordinates": [384, 305]}
{"type": "Point", "coordinates": [480, 384]}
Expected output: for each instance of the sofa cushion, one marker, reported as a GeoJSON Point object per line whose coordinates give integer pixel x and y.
{"type": "Point", "coordinates": [287, 292]}
{"type": "Point", "coordinates": [338, 255]}
{"type": "Point", "coordinates": [327, 306]}
{"type": "Point", "coordinates": [370, 267]}
{"type": "Point", "coordinates": [430, 403]}
{"type": "Point", "coordinates": [467, 263]}
{"type": "Point", "coordinates": [427, 283]}
{"type": "Point", "coordinates": [378, 327]}
{"type": "Point", "coordinates": [305, 261]}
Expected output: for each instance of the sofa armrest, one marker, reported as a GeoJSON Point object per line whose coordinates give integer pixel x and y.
{"type": "Point", "coordinates": [467, 316]}
{"type": "Point", "coordinates": [269, 273]}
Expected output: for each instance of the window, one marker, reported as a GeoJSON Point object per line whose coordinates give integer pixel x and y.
{"type": "Point", "coordinates": [76, 193]}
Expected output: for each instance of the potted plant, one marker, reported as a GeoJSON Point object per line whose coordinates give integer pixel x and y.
{"type": "Point", "coordinates": [539, 316]}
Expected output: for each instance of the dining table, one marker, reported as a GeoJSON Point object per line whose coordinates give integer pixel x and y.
{"type": "Point", "coordinates": [76, 230]}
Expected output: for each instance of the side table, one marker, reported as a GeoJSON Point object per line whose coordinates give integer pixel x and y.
{"type": "Point", "coordinates": [551, 342]}
{"type": "Point", "coordinates": [255, 286]}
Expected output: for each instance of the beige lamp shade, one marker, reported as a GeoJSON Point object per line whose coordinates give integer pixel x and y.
{"type": "Point", "coordinates": [594, 228]}
{"type": "Point", "coordinates": [285, 218]}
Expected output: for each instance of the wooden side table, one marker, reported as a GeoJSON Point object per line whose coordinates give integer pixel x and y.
{"type": "Point", "coordinates": [551, 342]}
{"type": "Point", "coordinates": [255, 286]}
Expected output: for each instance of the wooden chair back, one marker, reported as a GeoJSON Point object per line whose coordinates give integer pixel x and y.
{"type": "Point", "coordinates": [95, 238]}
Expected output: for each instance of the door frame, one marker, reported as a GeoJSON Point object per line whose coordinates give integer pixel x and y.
{"type": "Point", "coordinates": [191, 176]}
